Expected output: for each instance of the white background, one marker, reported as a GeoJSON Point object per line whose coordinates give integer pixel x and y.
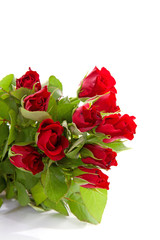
{"type": "Point", "coordinates": [67, 39]}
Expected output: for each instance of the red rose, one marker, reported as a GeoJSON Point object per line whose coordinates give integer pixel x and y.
{"type": "Point", "coordinates": [86, 117]}
{"type": "Point", "coordinates": [37, 101]}
{"type": "Point", "coordinates": [104, 157]}
{"type": "Point", "coordinates": [50, 139]}
{"type": "Point", "coordinates": [27, 157]}
{"type": "Point", "coordinates": [97, 82]}
{"type": "Point", "coordinates": [28, 80]}
{"type": "Point", "coordinates": [117, 127]}
{"type": "Point", "coordinates": [95, 177]}
{"type": "Point", "coordinates": [107, 103]}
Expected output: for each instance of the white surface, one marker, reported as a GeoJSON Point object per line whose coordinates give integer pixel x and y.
{"type": "Point", "coordinates": [67, 39]}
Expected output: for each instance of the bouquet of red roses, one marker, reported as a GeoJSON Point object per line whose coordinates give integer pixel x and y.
{"type": "Point", "coordinates": [54, 150]}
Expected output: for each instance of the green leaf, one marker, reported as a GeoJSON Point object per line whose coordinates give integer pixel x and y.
{"type": "Point", "coordinates": [87, 204]}
{"type": "Point", "coordinates": [12, 132]}
{"type": "Point", "coordinates": [38, 193]}
{"type": "Point", "coordinates": [6, 82]}
{"type": "Point", "coordinates": [21, 92]}
{"type": "Point", "coordinates": [52, 108]}
{"type": "Point", "coordinates": [55, 185]}
{"type": "Point", "coordinates": [59, 207]}
{"type": "Point", "coordinates": [53, 81]}
{"type": "Point", "coordinates": [5, 106]}
{"type": "Point", "coordinates": [55, 87]}
{"type": "Point", "coordinates": [2, 184]}
{"type": "Point", "coordinates": [1, 202]}
{"type": "Point", "coordinates": [56, 92]}
{"type": "Point", "coordinates": [22, 196]}
{"type": "Point", "coordinates": [64, 112]}
{"type": "Point", "coordinates": [35, 115]}
{"type": "Point", "coordinates": [10, 190]}
{"type": "Point", "coordinates": [6, 167]}
{"type": "Point", "coordinates": [70, 163]}
{"type": "Point", "coordinates": [76, 147]}
{"type": "Point", "coordinates": [26, 135]}
{"type": "Point", "coordinates": [95, 201]}
{"type": "Point", "coordinates": [85, 152]}
{"type": "Point", "coordinates": [5, 149]}
{"type": "Point", "coordinates": [79, 209]}
{"type": "Point", "coordinates": [26, 178]}
{"type": "Point", "coordinates": [117, 146]}
{"type": "Point", "coordinates": [4, 132]}
{"type": "Point", "coordinates": [4, 110]}
{"type": "Point", "coordinates": [10, 101]}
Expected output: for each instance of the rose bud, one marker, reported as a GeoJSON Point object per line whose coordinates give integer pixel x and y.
{"type": "Point", "coordinates": [28, 80]}
{"type": "Point", "coordinates": [27, 157]}
{"type": "Point", "coordinates": [50, 139]}
{"type": "Point", "coordinates": [97, 82]}
{"type": "Point", "coordinates": [37, 101]}
{"type": "Point", "coordinates": [102, 157]}
{"type": "Point", "coordinates": [86, 117]}
{"type": "Point", "coordinates": [118, 127]}
{"type": "Point", "coordinates": [107, 103]}
{"type": "Point", "coordinates": [95, 177]}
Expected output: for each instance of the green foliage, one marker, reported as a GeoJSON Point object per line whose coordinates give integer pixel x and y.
{"type": "Point", "coordinates": [4, 132]}
{"type": "Point", "coordinates": [87, 204]}
{"type": "Point", "coordinates": [117, 146]}
{"type": "Point", "coordinates": [55, 185]}
{"type": "Point", "coordinates": [12, 132]}
{"type": "Point", "coordinates": [64, 112]}
{"type": "Point", "coordinates": [22, 195]}
{"type": "Point", "coordinates": [26, 178]}
{"type": "Point", "coordinates": [2, 184]}
{"type": "Point", "coordinates": [38, 193]}
{"type": "Point", "coordinates": [52, 108]}
{"type": "Point", "coordinates": [21, 92]}
{"type": "Point", "coordinates": [1, 202]}
{"type": "Point", "coordinates": [26, 135]}
{"type": "Point", "coordinates": [4, 110]}
{"type": "Point", "coordinates": [6, 82]}
{"type": "Point", "coordinates": [55, 87]}
{"type": "Point", "coordinates": [6, 167]}
{"type": "Point", "coordinates": [35, 115]}
{"type": "Point", "coordinates": [59, 206]}
{"type": "Point", "coordinates": [53, 81]}
{"type": "Point", "coordinates": [10, 190]}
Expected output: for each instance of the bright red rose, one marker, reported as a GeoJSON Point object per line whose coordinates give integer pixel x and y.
{"type": "Point", "coordinates": [97, 82]}
{"type": "Point", "coordinates": [37, 101]}
{"type": "Point", "coordinates": [27, 157]}
{"type": "Point", "coordinates": [107, 103]}
{"type": "Point", "coordinates": [103, 157]}
{"type": "Point", "coordinates": [118, 127]}
{"type": "Point", "coordinates": [50, 139]}
{"type": "Point", "coordinates": [86, 117]}
{"type": "Point", "coordinates": [28, 80]}
{"type": "Point", "coordinates": [95, 177]}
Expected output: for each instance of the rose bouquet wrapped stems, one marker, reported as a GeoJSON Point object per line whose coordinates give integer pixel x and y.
{"type": "Point", "coordinates": [55, 151]}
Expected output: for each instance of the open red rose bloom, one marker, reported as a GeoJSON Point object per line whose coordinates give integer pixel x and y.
{"type": "Point", "coordinates": [55, 151]}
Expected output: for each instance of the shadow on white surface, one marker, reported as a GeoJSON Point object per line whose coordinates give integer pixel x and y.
{"type": "Point", "coordinates": [16, 221]}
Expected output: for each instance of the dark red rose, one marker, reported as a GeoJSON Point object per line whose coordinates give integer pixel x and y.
{"type": "Point", "coordinates": [107, 103]}
{"type": "Point", "coordinates": [86, 117]}
{"type": "Point", "coordinates": [97, 82]}
{"type": "Point", "coordinates": [50, 139]}
{"type": "Point", "coordinates": [118, 127]}
{"type": "Point", "coordinates": [28, 80]}
{"type": "Point", "coordinates": [27, 157]}
{"type": "Point", "coordinates": [37, 101]}
{"type": "Point", "coordinates": [103, 157]}
{"type": "Point", "coordinates": [95, 177]}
